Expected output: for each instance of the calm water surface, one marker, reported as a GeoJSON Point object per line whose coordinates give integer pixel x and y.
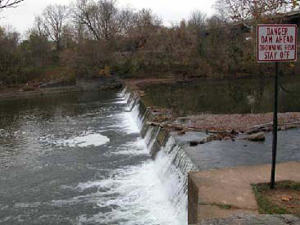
{"type": "Point", "coordinates": [77, 159]}
{"type": "Point", "coordinates": [254, 95]}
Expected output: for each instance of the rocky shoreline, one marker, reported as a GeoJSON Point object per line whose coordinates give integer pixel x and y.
{"type": "Point", "coordinates": [218, 126]}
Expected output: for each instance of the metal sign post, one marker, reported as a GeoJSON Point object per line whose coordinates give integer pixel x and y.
{"type": "Point", "coordinates": [275, 122]}
{"type": "Point", "coordinates": [276, 43]}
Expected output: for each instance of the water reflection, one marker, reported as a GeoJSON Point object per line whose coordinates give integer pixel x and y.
{"type": "Point", "coordinates": [243, 96]}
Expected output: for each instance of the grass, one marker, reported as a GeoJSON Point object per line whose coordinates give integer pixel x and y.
{"type": "Point", "coordinates": [288, 185]}
{"type": "Point", "coordinates": [268, 202]}
{"type": "Point", "coordinates": [224, 206]}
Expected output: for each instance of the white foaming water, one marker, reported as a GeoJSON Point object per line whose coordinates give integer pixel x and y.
{"type": "Point", "coordinates": [135, 148]}
{"type": "Point", "coordinates": [126, 121]}
{"type": "Point", "coordinates": [122, 93]}
{"type": "Point", "coordinates": [131, 104]}
{"type": "Point", "coordinates": [126, 97]}
{"type": "Point", "coordinates": [150, 193]}
{"type": "Point", "coordinates": [84, 141]}
{"type": "Point", "coordinates": [173, 178]}
{"type": "Point", "coordinates": [148, 137]}
{"type": "Point", "coordinates": [121, 102]}
{"type": "Point", "coordinates": [135, 115]}
{"type": "Point", "coordinates": [119, 185]}
{"type": "Point", "coordinates": [137, 195]}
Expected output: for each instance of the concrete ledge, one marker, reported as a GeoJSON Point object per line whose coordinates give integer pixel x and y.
{"type": "Point", "coordinates": [228, 192]}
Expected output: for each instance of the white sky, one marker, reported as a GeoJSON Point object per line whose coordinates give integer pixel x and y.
{"type": "Point", "coordinates": [22, 17]}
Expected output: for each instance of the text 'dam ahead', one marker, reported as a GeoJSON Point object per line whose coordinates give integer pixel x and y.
{"type": "Point", "coordinates": [276, 43]}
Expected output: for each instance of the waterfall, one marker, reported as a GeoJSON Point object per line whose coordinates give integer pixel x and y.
{"type": "Point", "coordinates": [171, 162]}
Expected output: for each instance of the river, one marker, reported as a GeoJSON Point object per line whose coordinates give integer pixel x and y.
{"type": "Point", "coordinates": [79, 159]}
{"type": "Point", "coordinates": [232, 96]}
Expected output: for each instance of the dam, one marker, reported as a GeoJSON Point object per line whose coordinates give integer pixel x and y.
{"type": "Point", "coordinates": [89, 158]}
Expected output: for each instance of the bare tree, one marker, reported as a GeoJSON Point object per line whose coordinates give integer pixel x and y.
{"type": "Point", "coordinates": [145, 27]}
{"type": "Point", "coordinates": [55, 23]}
{"type": "Point", "coordinates": [9, 3]}
{"type": "Point", "coordinates": [84, 14]}
{"type": "Point", "coordinates": [146, 23]}
{"type": "Point", "coordinates": [38, 28]}
{"type": "Point", "coordinates": [100, 18]}
{"type": "Point", "coordinates": [243, 10]}
{"type": "Point", "coordinates": [126, 21]}
{"type": "Point", "coordinates": [215, 22]}
{"type": "Point", "coordinates": [107, 18]}
{"type": "Point", "coordinates": [197, 20]}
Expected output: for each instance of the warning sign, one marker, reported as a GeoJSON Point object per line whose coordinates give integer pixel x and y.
{"type": "Point", "coordinates": [276, 43]}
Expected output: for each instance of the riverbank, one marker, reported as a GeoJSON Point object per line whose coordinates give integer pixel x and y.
{"type": "Point", "coordinates": [54, 88]}
{"type": "Point", "coordinates": [214, 122]}
{"type": "Point", "coordinates": [16, 93]}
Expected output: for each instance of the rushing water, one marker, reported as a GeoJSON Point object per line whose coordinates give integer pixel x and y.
{"type": "Point", "coordinates": [79, 159]}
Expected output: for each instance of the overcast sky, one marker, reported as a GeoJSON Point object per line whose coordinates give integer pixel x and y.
{"type": "Point", "coordinates": [22, 17]}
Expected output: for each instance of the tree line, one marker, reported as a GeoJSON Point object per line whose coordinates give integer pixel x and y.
{"type": "Point", "coordinates": [90, 38]}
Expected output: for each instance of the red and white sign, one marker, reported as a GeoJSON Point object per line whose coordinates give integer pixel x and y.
{"type": "Point", "coordinates": [276, 43]}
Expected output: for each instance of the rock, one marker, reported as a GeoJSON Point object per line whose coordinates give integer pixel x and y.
{"type": "Point", "coordinates": [233, 132]}
{"type": "Point", "coordinates": [155, 124]}
{"type": "Point", "coordinates": [289, 127]}
{"type": "Point", "coordinates": [194, 143]}
{"type": "Point", "coordinates": [286, 198]}
{"type": "Point", "coordinates": [227, 138]}
{"type": "Point", "coordinates": [181, 132]}
{"type": "Point", "coordinates": [256, 137]}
